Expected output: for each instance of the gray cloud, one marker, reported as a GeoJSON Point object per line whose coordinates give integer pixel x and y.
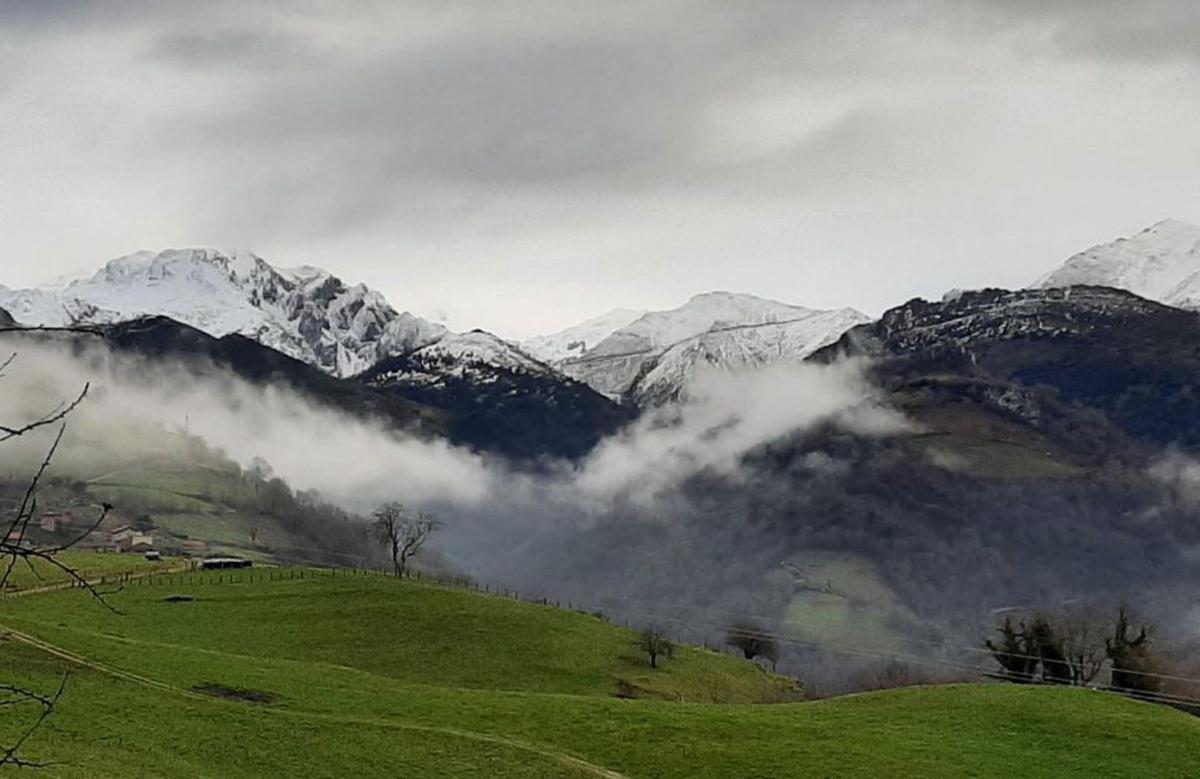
{"type": "Point", "coordinates": [233, 48]}
{"type": "Point", "coordinates": [1153, 31]}
{"type": "Point", "coordinates": [470, 155]}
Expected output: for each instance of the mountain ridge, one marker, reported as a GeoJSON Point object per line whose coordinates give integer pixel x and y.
{"type": "Point", "coordinates": [640, 358]}
{"type": "Point", "coordinates": [306, 313]}
{"type": "Point", "coordinates": [655, 358]}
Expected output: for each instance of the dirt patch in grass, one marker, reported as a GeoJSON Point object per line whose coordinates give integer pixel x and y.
{"type": "Point", "coordinates": [178, 599]}
{"type": "Point", "coordinates": [627, 690]}
{"type": "Point", "coordinates": [235, 693]}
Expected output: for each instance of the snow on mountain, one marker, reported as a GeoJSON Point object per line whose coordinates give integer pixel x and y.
{"type": "Point", "coordinates": [46, 308]}
{"type": "Point", "coordinates": [655, 357]}
{"type": "Point", "coordinates": [477, 356]}
{"type": "Point", "coordinates": [1161, 263]}
{"type": "Point", "coordinates": [741, 348]}
{"type": "Point", "coordinates": [306, 313]}
{"type": "Point", "coordinates": [574, 341]}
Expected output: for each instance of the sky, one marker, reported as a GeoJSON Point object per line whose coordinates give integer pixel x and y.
{"type": "Point", "coordinates": [521, 165]}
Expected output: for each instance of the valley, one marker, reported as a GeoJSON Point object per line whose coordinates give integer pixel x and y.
{"type": "Point", "coordinates": [672, 389]}
{"type": "Point", "coordinates": [867, 496]}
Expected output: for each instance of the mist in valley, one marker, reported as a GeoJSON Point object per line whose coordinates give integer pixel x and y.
{"type": "Point", "coordinates": [747, 501]}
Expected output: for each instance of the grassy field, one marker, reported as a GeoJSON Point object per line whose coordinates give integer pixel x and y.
{"type": "Point", "coordinates": [90, 565]}
{"type": "Point", "coordinates": [365, 675]}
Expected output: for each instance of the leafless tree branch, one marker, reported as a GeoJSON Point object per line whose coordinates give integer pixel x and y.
{"type": "Point", "coordinates": [55, 415]}
{"type": "Point", "coordinates": [16, 549]}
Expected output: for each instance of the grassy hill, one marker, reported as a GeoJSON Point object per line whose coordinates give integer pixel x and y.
{"type": "Point", "coordinates": [364, 675]}
{"type": "Point", "coordinates": [89, 565]}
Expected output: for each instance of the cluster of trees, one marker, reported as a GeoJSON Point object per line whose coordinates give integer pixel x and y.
{"type": "Point", "coordinates": [318, 530]}
{"type": "Point", "coordinates": [752, 640]}
{"type": "Point", "coordinates": [1075, 650]}
{"type": "Point", "coordinates": [330, 534]}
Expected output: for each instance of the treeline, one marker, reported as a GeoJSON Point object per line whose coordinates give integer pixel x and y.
{"type": "Point", "coordinates": [320, 531]}
{"type": "Point", "coordinates": [1120, 654]}
{"type": "Point", "coordinates": [1075, 650]}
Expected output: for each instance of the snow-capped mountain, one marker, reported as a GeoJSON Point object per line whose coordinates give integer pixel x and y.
{"type": "Point", "coordinates": [654, 358]}
{"type": "Point", "coordinates": [499, 398]}
{"type": "Point", "coordinates": [476, 356]}
{"type": "Point", "coordinates": [306, 313]}
{"type": "Point", "coordinates": [576, 340]}
{"type": "Point", "coordinates": [1161, 263]}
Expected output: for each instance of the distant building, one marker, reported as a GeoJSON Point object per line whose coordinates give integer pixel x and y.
{"type": "Point", "coordinates": [53, 521]}
{"type": "Point", "coordinates": [126, 539]}
{"type": "Point", "coordinates": [121, 533]}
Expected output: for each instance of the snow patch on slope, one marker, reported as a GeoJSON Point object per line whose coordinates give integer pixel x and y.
{"type": "Point", "coordinates": [574, 341]}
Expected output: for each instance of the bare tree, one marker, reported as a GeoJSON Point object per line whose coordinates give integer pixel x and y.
{"type": "Point", "coordinates": [1133, 664]}
{"type": "Point", "coordinates": [1083, 646]}
{"type": "Point", "coordinates": [1016, 653]}
{"type": "Point", "coordinates": [655, 644]}
{"type": "Point", "coordinates": [16, 549]}
{"type": "Point", "coordinates": [754, 641]}
{"type": "Point", "coordinates": [404, 532]}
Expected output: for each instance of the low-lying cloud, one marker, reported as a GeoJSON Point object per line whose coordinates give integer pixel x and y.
{"type": "Point", "coordinates": [607, 529]}
{"type": "Point", "coordinates": [358, 462]}
{"type": "Point", "coordinates": [727, 416]}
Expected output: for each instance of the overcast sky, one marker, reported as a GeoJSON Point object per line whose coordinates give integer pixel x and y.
{"type": "Point", "coordinates": [522, 165]}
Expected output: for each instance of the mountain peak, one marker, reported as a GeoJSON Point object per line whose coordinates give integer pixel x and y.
{"type": "Point", "coordinates": [1160, 262]}
{"type": "Point", "coordinates": [306, 313]}
{"type": "Point", "coordinates": [1172, 225]}
{"type": "Point", "coordinates": [655, 356]}
{"type": "Point", "coordinates": [150, 265]}
{"type": "Point", "coordinates": [718, 295]}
